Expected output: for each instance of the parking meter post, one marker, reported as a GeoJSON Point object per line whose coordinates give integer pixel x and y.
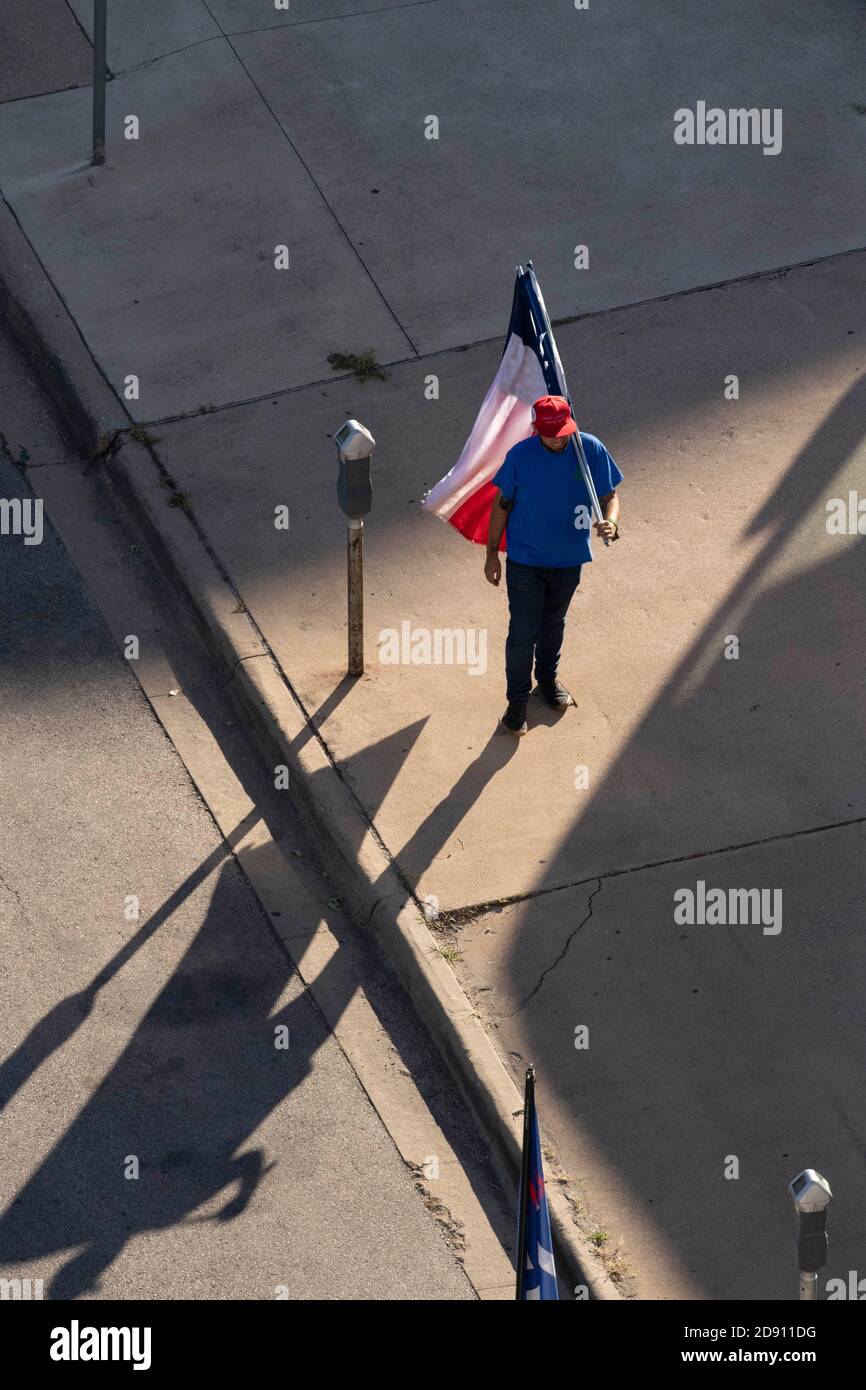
{"type": "Point", "coordinates": [355, 558]}
{"type": "Point", "coordinates": [100, 26]}
{"type": "Point", "coordinates": [812, 1197]}
{"type": "Point", "coordinates": [355, 446]}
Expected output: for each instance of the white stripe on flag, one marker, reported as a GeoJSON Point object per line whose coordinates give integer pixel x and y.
{"type": "Point", "coordinates": [502, 421]}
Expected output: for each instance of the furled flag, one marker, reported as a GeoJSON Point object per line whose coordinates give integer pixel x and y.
{"type": "Point", "coordinates": [530, 367]}
{"type": "Point", "coordinates": [536, 1272]}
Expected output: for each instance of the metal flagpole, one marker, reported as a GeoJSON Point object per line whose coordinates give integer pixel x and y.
{"type": "Point", "coordinates": [528, 1107]}
{"type": "Point", "coordinates": [587, 476]}
{"type": "Point", "coordinates": [576, 441]}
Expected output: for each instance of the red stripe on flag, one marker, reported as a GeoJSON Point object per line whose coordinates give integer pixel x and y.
{"type": "Point", "coordinates": [472, 517]}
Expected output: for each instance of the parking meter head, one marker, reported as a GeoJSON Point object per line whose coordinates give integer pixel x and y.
{"type": "Point", "coordinates": [810, 1191]}
{"type": "Point", "coordinates": [812, 1196]}
{"type": "Point", "coordinates": [355, 446]}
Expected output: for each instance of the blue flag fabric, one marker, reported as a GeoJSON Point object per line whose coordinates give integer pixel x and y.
{"type": "Point", "coordinates": [540, 1269]}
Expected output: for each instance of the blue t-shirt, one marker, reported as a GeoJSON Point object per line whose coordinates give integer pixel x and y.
{"type": "Point", "coordinates": [549, 523]}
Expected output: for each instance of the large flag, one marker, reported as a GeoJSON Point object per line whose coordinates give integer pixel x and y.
{"type": "Point", "coordinates": [530, 367]}
{"type": "Point", "coordinates": [536, 1272]}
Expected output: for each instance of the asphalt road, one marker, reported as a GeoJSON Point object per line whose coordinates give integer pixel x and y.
{"type": "Point", "coordinates": [154, 1142]}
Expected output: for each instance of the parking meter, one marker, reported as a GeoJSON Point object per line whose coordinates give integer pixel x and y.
{"type": "Point", "coordinates": [355, 446]}
{"type": "Point", "coordinates": [812, 1197]}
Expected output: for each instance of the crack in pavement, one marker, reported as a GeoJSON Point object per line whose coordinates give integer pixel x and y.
{"type": "Point", "coordinates": [170, 53]}
{"type": "Point", "coordinates": [330, 19]}
{"type": "Point", "coordinates": [458, 915]}
{"type": "Point", "coordinates": [226, 34]}
{"type": "Point", "coordinates": [16, 898]}
{"type": "Point", "coordinates": [368, 919]}
{"type": "Point", "coordinates": [563, 953]}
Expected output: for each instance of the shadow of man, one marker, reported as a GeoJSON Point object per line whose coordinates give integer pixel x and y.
{"type": "Point", "coordinates": [200, 1074]}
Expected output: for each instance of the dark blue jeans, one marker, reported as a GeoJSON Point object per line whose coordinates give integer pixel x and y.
{"type": "Point", "coordinates": [538, 601]}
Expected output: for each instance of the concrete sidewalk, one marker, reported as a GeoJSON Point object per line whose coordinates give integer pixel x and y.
{"type": "Point", "coordinates": [555, 131]}
{"type": "Point", "coordinates": [671, 733]}
{"type": "Point", "coordinates": [307, 133]}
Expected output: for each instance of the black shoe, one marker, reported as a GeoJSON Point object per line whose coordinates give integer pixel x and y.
{"type": "Point", "coordinates": [555, 694]}
{"type": "Point", "coordinates": [514, 718]}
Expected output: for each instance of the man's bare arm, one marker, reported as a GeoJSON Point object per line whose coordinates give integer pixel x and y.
{"type": "Point", "coordinates": [610, 511]}
{"type": "Point", "coordinates": [498, 517]}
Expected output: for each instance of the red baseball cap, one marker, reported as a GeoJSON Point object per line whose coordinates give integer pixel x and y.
{"type": "Point", "coordinates": [552, 417]}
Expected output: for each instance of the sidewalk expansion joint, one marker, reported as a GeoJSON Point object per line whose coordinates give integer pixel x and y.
{"type": "Point", "coordinates": [84, 32]}
{"type": "Point", "coordinates": [311, 176]}
{"type": "Point", "coordinates": [226, 36]}
{"type": "Point", "coordinates": [779, 273]}
{"type": "Point", "coordinates": [455, 917]}
{"type": "Point", "coordinates": [52, 92]}
{"type": "Point", "coordinates": [750, 277]}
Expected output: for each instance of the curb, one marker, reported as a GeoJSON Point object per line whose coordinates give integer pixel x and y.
{"type": "Point", "coordinates": [365, 875]}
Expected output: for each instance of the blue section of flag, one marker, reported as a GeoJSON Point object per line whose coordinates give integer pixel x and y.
{"type": "Point", "coordinates": [540, 1270]}
{"type": "Point", "coordinates": [530, 322]}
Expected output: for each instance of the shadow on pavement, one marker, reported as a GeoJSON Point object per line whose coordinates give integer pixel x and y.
{"type": "Point", "coordinates": [197, 1078]}
{"type": "Point", "coordinates": [710, 1040]}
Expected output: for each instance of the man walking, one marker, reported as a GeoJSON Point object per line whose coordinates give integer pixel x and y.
{"type": "Point", "coordinates": [545, 502]}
